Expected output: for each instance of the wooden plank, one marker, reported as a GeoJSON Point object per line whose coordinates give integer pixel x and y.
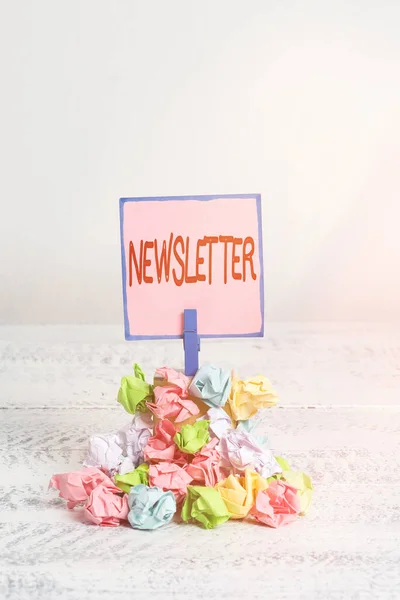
{"type": "Point", "coordinates": [308, 364]}
{"type": "Point", "coordinates": [354, 502]}
{"type": "Point", "coordinates": [238, 560]}
{"type": "Point", "coordinates": [327, 466]}
{"type": "Point", "coordinates": [294, 429]}
{"type": "Point", "coordinates": [347, 547]}
{"type": "Point", "coordinates": [334, 446]}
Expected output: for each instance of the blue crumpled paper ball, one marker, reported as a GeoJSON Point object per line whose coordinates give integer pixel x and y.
{"type": "Point", "coordinates": [150, 507]}
{"type": "Point", "coordinates": [211, 385]}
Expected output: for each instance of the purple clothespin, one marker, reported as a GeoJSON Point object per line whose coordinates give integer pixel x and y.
{"type": "Point", "coordinates": [191, 341]}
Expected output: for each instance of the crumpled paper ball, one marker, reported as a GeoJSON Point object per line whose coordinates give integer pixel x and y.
{"type": "Point", "coordinates": [253, 483]}
{"type": "Point", "coordinates": [240, 451]}
{"type": "Point", "coordinates": [277, 505]}
{"type": "Point", "coordinates": [302, 483]}
{"type": "Point", "coordinates": [250, 426]}
{"type": "Point", "coordinates": [121, 451]}
{"type": "Point", "coordinates": [220, 422]}
{"type": "Point", "coordinates": [107, 505]}
{"type": "Point", "coordinates": [170, 476]}
{"type": "Point", "coordinates": [211, 385]}
{"type": "Point", "coordinates": [128, 480]}
{"type": "Point", "coordinates": [205, 505]}
{"type": "Point", "coordinates": [76, 486]}
{"type": "Point", "coordinates": [133, 441]}
{"type": "Point", "coordinates": [175, 378]}
{"type": "Point", "coordinates": [297, 479]}
{"type": "Point", "coordinates": [104, 451]}
{"type": "Point", "coordinates": [169, 404]}
{"type": "Point", "coordinates": [143, 420]}
{"type": "Point", "coordinates": [161, 446]}
{"type": "Point", "coordinates": [250, 395]}
{"type": "Point", "coordinates": [191, 438]}
{"type": "Point", "coordinates": [150, 507]}
{"type": "Point", "coordinates": [135, 391]}
{"type": "Point", "coordinates": [239, 493]}
{"type": "Point", "coordinates": [205, 468]}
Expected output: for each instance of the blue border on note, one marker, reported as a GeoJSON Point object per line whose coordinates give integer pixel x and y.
{"type": "Point", "coordinates": [257, 198]}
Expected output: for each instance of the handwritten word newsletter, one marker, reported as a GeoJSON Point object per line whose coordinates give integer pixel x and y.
{"type": "Point", "coordinates": [152, 261]}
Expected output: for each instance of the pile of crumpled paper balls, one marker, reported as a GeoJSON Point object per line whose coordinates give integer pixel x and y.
{"type": "Point", "coordinates": [192, 451]}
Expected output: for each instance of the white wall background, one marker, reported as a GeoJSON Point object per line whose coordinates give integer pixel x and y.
{"type": "Point", "coordinates": [298, 100]}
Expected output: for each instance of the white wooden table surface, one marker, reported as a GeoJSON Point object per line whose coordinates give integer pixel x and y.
{"type": "Point", "coordinates": [338, 420]}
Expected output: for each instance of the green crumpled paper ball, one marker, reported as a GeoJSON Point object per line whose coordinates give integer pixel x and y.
{"type": "Point", "coordinates": [297, 479]}
{"type": "Point", "coordinates": [135, 391]}
{"type": "Point", "coordinates": [136, 477]}
{"type": "Point", "coordinates": [205, 505]}
{"type": "Point", "coordinates": [191, 438]}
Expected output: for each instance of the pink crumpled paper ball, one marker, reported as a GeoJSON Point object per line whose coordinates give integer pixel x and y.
{"type": "Point", "coordinates": [76, 486]}
{"type": "Point", "coordinates": [170, 477]}
{"type": "Point", "coordinates": [168, 403]}
{"type": "Point", "coordinates": [107, 505]}
{"type": "Point", "coordinates": [277, 505]}
{"type": "Point", "coordinates": [175, 378]}
{"type": "Point", "coordinates": [161, 446]}
{"type": "Point", "coordinates": [205, 467]}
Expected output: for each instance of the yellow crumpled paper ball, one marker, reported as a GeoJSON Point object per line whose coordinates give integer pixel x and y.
{"type": "Point", "coordinates": [249, 395]}
{"type": "Point", "coordinates": [239, 493]}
